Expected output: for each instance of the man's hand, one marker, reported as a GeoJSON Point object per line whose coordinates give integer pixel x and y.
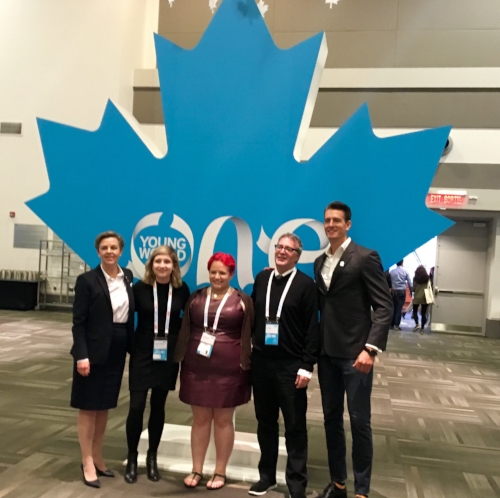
{"type": "Point", "coordinates": [301, 382]}
{"type": "Point", "coordinates": [83, 367]}
{"type": "Point", "coordinates": [364, 362]}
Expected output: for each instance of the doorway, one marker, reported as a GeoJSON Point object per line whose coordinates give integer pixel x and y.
{"type": "Point", "coordinates": [460, 278]}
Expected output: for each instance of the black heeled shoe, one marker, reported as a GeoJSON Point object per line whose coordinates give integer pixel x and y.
{"type": "Point", "coordinates": [104, 473]}
{"type": "Point", "coordinates": [152, 467]}
{"type": "Point", "coordinates": [92, 484]}
{"type": "Point", "coordinates": [131, 468]}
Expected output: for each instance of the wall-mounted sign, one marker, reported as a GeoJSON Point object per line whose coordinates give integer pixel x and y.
{"type": "Point", "coordinates": [447, 199]}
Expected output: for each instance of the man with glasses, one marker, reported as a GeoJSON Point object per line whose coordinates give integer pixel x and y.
{"type": "Point", "coordinates": [285, 348]}
{"type": "Point", "coordinates": [351, 283]}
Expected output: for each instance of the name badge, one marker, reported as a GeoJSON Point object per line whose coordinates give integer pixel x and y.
{"type": "Point", "coordinates": [206, 345]}
{"type": "Point", "coordinates": [272, 335]}
{"type": "Point", "coordinates": [160, 350]}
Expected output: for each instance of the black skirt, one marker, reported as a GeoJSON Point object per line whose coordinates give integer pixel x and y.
{"type": "Point", "coordinates": [144, 373]}
{"type": "Point", "coordinates": [100, 390]}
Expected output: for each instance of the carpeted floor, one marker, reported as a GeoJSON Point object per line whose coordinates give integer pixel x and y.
{"type": "Point", "coordinates": [436, 420]}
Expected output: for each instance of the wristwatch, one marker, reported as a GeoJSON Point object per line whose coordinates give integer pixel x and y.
{"type": "Point", "coordinates": [371, 352]}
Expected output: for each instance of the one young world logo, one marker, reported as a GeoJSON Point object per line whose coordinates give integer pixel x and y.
{"type": "Point", "coordinates": [146, 239]}
{"type": "Point", "coordinates": [149, 234]}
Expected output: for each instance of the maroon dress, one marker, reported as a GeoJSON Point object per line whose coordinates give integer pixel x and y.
{"type": "Point", "coordinates": [218, 381]}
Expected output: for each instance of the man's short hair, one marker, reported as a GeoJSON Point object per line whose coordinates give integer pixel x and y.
{"type": "Point", "coordinates": [295, 238]}
{"type": "Point", "coordinates": [400, 263]}
{"type": "Point", "coordinates": [340, 206]}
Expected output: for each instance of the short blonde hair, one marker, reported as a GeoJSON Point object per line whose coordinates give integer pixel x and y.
{"type": "Point", "coordinates": [149, 274]}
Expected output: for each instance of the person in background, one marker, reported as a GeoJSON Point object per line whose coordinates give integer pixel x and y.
{"type": "Point", "coordinates": [103, 328]}
{"type": "Point", "coordinates": [160, 299]}
{"type": "Point", "coordinates": [429, 308]}
{"type": "Point", "coordinates": [399, 278]}
{"type": "Point", "coordinates": [421, 282]}
{"type": "Point", "coordinates": [214, 347]}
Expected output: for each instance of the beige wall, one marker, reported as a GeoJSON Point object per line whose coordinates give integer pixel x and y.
{"type": "Point", "coordinates": [367, 33]}
{"type": "Point", "coordinates": [411, 108]}
{"type": "Point", "coordinates": [388, 108]}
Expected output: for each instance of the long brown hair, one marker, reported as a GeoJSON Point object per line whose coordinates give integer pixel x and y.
{"type": "Point", "coordinates": [149, 274]}
{"type": "Point", "coordinates": [421, 276]}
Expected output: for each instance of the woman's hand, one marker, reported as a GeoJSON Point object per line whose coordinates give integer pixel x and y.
{"type": "Point", "coordinates": [83, 367]}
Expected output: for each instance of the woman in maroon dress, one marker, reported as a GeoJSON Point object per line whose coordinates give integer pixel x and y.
{"type": "Point", "coordinates": [214, 347]}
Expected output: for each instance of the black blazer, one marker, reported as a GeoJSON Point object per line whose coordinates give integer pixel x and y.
{"type": "Point", "coordinates": [93, 316]}
{"type": "Point", "coordinates": [346, 320]}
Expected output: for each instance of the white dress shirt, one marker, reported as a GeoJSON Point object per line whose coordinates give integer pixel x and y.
{"type": "Point", "coordinates": [332, 260]}
{"type": "Point", "coordinates": [118, 295]}
{"type": "Point", "coordinates": [119, 298]}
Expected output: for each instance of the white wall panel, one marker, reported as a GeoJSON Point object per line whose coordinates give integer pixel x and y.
{"type": "Point", "coordinates": [60, 60]}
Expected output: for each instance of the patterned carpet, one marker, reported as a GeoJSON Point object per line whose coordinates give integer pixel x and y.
{"type": "Point", "coordinates": [436, 419]}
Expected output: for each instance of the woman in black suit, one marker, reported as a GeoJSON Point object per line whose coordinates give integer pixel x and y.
{"type": "Point", "coordinates": [159, 299]}
{"type": "Point", "coordinates": [103, 327]}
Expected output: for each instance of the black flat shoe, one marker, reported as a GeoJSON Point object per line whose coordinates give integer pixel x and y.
{"type": "Point", "coordinates": [92, 484]}
{"type": "Point", "coordinates": [131, 468]}
{"type": "Point", "coordinates": [104, 473]}
{"type": "Point", "coordinates": [152, 467]}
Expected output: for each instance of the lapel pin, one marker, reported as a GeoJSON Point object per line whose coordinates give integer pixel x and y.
{"type": "Point", "coordinates": [342, 264]}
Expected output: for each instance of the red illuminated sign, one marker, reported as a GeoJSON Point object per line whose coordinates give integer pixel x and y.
{"type": "Point", "coordinates": [446, 200]}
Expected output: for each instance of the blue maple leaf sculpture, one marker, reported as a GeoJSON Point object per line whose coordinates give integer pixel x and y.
{"type": "Point", "coordinates": [233, 109]}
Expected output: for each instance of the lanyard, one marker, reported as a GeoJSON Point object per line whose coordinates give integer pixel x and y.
{"type": "Point", "coordinates": [283, 296]}
{"type": "Point", "coordinates": [169, 307]}
{"type": "Point", "coordinates": [219, 309]}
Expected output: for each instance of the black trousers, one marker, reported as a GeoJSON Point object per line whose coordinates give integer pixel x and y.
{"type": "Point", "coordinates": [156, 418]}
{"type": "Point", "coordinates": [274, 389]}
{"type": "Point", "coordinates": [398, 299]}
{"type": "Point", "coordinates": [423, 313]}
{"type": "Point", "coordinates": [337, 378]}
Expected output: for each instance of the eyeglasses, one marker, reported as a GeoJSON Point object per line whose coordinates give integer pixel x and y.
{"type": "Point", "coordinates": [287, 249]}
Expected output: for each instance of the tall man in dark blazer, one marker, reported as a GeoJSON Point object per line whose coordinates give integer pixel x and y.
{"type": "Point", "coordinates": [356, 311]}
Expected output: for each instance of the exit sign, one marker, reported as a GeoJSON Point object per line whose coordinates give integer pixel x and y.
{"type": "Point", "coordinates": [447, 199]}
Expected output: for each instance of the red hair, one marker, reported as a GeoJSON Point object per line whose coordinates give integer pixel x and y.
{"type": "Point", "coordinates": [225, 259]}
